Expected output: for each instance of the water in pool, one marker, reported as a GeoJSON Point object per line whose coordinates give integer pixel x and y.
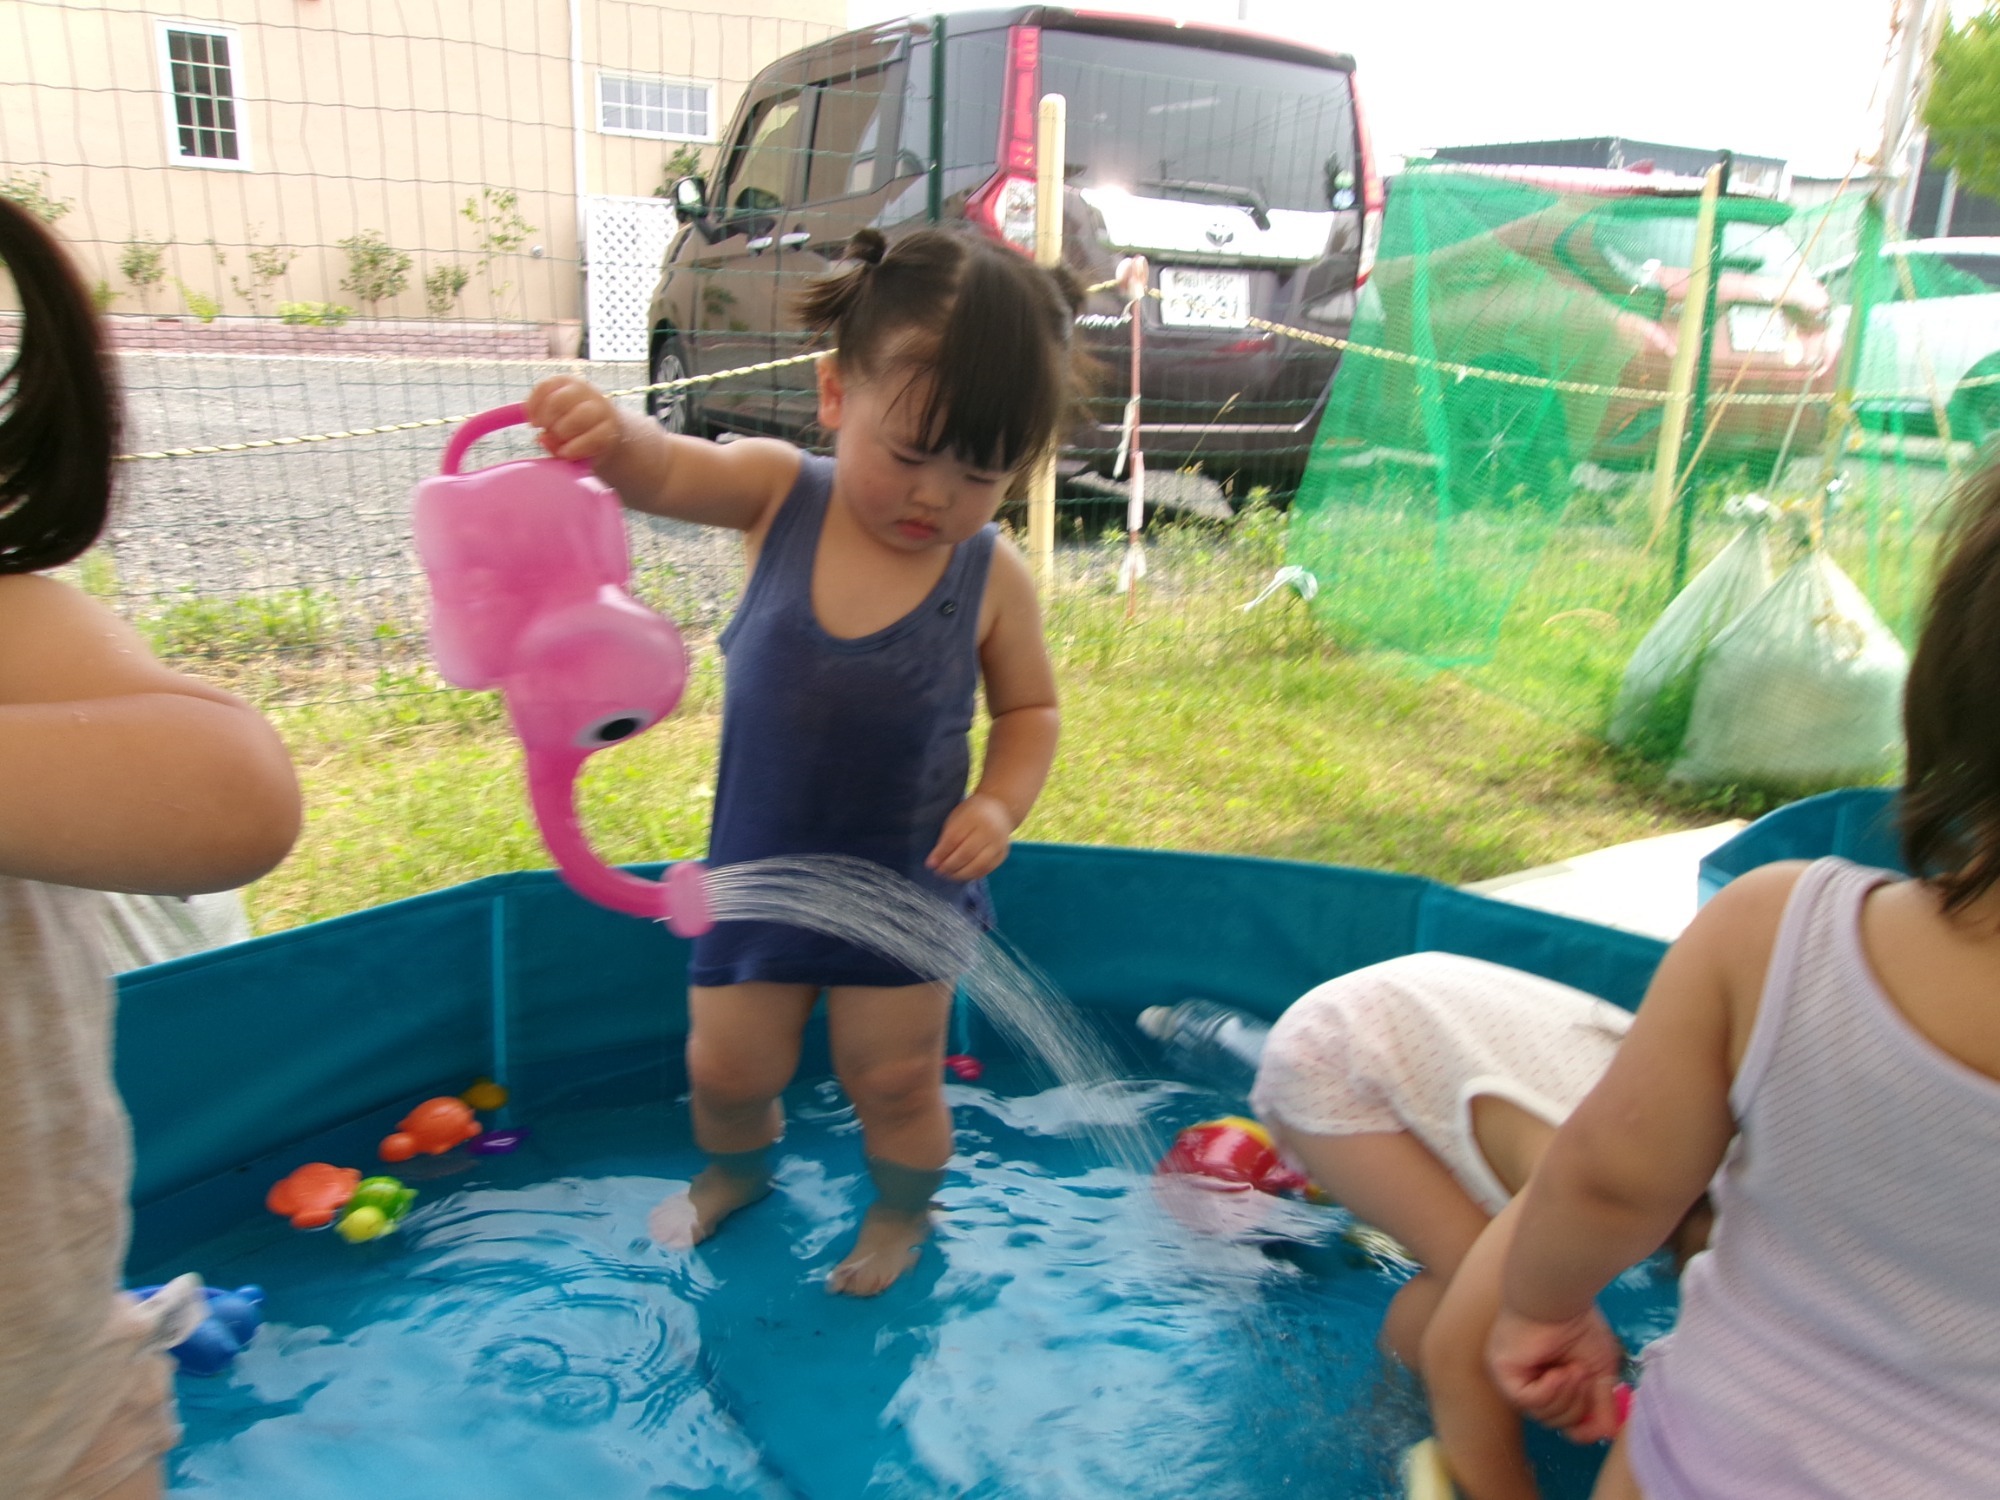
{"type": "Point", "coordinates": [521, 1336]}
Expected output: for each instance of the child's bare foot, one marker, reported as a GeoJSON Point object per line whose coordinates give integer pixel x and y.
{"type": "Point", "coordinates": [886, 1247]}
{"type": "Point", "coordinates": [686, 1219]}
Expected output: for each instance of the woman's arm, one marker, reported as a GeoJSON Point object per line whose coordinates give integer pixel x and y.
{"type": "Point", "coordinates": [1021, 741]}
{"type": "Point", "coordinates": [734, 485]}
{"type": "Point", "coordinates": [117, 774]}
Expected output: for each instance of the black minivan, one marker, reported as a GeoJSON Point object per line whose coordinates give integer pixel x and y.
{"type": "Point", "coordinates": [1238, 164]}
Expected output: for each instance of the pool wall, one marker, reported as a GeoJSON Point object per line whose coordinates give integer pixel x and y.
{"type": "Point", "coordinates": [227, 1060]}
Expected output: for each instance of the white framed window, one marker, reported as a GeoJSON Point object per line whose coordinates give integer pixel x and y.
{"type": "Point", "coordinates": [665, 109]}
{"type": "Point", "coordinates": [201, 77]}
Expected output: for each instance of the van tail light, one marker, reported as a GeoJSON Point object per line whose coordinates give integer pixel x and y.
{"type": "Point", "coordinates": [1005, 206]}
{"type": "Point", "coordinates": [1373, 198]}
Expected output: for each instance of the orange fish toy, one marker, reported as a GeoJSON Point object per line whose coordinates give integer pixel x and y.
{"type": "Point", "coordinates": [312, 1195]}
{"type": "Point", "coordinates": [433, 1127]}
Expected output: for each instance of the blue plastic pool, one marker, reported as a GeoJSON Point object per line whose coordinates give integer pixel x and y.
{"type": "Point", "coordinates": [520, 1337]}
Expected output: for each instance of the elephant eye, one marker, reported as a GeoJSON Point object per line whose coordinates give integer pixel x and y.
{"type": "Point", "coordinates": [611, 729]}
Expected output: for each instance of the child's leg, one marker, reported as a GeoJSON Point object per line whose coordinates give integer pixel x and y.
{"type": "Point", "coordinates": [888, 1049]}
{"type": "Point", "coordinates": [1477, 1428]}
{"type": "Point", "coordinates": [742, 1049]}
{"type": "Point", "coordinates": [1391, 1180]}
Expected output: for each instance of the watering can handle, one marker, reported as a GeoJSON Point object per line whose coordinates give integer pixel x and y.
{"type": "Point", "coordinates": [478, 427]}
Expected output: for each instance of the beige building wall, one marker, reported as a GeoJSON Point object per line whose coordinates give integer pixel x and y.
{"type": "Point", "coordinates": [382, 115]}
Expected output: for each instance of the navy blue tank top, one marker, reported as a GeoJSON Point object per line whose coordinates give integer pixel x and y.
{"type": "Point", "coordinates": [857, 747]}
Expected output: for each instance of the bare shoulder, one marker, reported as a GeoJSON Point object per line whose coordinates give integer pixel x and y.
{"type": "Point", "coordinates": [62, 645]}
{"type": "Point", "coordinates": [48, 624]}
{"type": "Point", "coordinates": [766, 469]}
{"type": "Point", "coordinates": [1726, 950]}
{"type": "Point", "coordinates": [1010, 583]}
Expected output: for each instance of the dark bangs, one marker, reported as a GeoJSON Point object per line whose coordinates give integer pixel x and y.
{"type": "Point", "coordinates": [999, 379]}
{"type": "Point", "coordinates": [979, 328]}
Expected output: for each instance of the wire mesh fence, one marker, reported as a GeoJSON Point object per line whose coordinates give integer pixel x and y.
{"type": "Point", "coordinates": [350, 225]}
{"type": "Point", "coordinates": [317, 234]}
{"type": "Point", "coordinates": [1491, 492]}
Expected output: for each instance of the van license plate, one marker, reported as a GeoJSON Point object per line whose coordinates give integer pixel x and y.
{"type": "Point", "coordinates": [1204, 299]}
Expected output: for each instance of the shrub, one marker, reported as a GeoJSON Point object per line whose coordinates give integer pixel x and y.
{"type": "Point", "coordinates": [376, 270]}
{"type": "Point", "coordinates": [683, 161]}
{"type": "Point", "coordinates": [144, 264]}
{"type": "Point", "coordinates": [267, 265]}
{"type": "Point", "coordinates": [32, 193]}
{"type": "Point", "coordinates": [200, 304]}
{"type": "Point", "coordinates": [314, 314]}
{"type": "Point", "coordinates": [496, 215]}
{"type": "Point", "coordinates": [442, 286]}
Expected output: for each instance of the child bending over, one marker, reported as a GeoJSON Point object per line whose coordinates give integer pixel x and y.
{"type": "Point", "coordinates": [880, 600]}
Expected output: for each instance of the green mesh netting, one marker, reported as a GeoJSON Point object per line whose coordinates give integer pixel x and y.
{"type": "Point", "coordinates": [1481, 495]}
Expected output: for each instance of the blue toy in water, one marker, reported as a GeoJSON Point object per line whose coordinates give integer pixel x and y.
{"type": "Point", "coordinates": [232, 1322]}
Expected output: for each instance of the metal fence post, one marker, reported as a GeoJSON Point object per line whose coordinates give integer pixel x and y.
{"type": "Point", "coordinates": [1710, 254]}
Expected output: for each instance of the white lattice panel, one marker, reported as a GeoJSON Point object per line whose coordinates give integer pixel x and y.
{"type": "Point", "coordinates": [628, 240]}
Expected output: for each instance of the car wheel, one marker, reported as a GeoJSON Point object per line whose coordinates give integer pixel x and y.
{"type": "Point", "coordinates": [675, 411]}
{"type": "Point", "coordinates": [1507, 440]}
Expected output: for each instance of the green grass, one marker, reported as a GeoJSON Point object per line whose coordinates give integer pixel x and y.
{"type": "Point", "coordinates": [1544, 607]}
{"type": "Point", "coordinates": [1194, 726]}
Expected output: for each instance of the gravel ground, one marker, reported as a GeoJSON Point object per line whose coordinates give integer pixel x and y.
{"type": "Point", "coordinates": [332, 517]}
{"type": "Point", "coordinates": [199, 543]}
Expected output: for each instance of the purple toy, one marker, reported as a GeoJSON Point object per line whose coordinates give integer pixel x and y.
{"type": "Point", "coordinates": [527, 565]}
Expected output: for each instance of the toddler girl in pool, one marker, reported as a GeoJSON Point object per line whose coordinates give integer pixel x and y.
{"type": "Point", "coordinates": [881, 599]}
{"type": "Point", "coordinates": [1824, 1045]}
{"type": "Point", "coordinates": [115, 775]}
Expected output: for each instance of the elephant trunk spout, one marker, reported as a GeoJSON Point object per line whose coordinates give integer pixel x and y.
{"type": "Point", "coordinates": [680, 899]}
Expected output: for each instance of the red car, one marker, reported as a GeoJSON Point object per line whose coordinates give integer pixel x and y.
{"type": "Point", "coordinates": [1580, 275]}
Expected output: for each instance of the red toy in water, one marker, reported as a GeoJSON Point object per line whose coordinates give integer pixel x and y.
{"type": "Point", "coordinates": [433, 1127]}
{"type": "Point", "coordinates": [312, 1195]}
{"type": "Point", "coordinates": [1234, 1154]}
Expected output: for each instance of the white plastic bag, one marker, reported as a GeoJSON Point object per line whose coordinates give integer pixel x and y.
{"type": "Point", "coordinates": [1805, 688]}
{"type": "Point", "coordinates": [1651, 713]}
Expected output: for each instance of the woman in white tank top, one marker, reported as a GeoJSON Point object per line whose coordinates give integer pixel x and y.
{"type": "Point", "coordinates": [1824, 1045]}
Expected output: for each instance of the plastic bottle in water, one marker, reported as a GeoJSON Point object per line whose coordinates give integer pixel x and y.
{"type": "Point", "coordinates": [1207, 1042]}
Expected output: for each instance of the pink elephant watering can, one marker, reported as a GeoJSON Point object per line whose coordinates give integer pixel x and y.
{"type": "Point", "coordinates": [528, 566]}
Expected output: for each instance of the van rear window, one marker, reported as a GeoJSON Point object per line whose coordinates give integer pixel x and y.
{"type": "Point", "coordinates": [1169, 121]}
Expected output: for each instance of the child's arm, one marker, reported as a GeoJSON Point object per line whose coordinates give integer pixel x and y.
{"type": "Point", "coordinates": [1477, 1428]}
{"type": "Point", "coordinates": [1635, 1155]}
{"type": "Point", "coordinates": [1021, 743]}
{"type": "Point", "coordinates": [736, 485]}
{"type": "Point", "coordinates": [117, 774]}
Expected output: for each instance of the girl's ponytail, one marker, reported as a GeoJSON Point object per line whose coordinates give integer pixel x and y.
{"type": "Point", "coordinates": [59, 415]}
{"type": "Point", "coordinates": [828, 300]}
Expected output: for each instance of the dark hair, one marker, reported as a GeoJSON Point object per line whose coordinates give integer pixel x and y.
{"type": "Point", "coordinates": [993, 333]}
{"type": "Point", "coordinates": [59, 416]}
{"type": "Point", "coordinates": [1951, 710]}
